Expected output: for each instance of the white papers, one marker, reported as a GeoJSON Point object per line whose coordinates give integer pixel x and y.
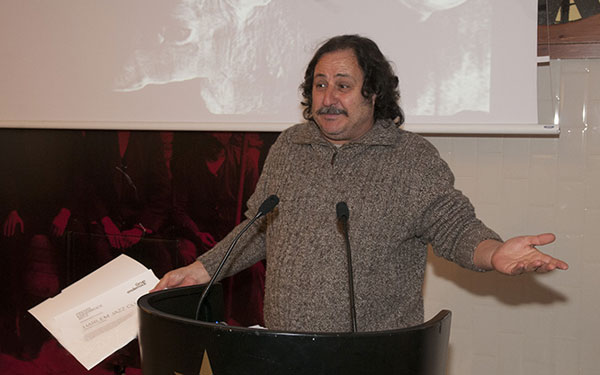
{"type": "Point", "coordinates": [97, 315]}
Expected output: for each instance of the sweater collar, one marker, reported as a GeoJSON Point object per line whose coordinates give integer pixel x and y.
{"type": "Point", "coordinates": [383, 133]}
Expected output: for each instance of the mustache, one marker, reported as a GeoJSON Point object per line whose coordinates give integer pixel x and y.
{"type": "Point", "coordinates": [332, 110]}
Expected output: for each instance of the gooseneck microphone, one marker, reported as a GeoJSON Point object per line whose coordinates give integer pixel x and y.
{"type": "Point", "coordinates": [343, 214]}
{"type": "Point", "coordinates": [267, 206]}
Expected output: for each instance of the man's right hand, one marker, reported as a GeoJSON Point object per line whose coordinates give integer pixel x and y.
{"type": "Point", "coordinates": [192, 274]}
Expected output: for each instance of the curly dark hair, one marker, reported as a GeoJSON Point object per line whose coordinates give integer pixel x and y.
{"type": "Point", "coordinates": [379, 77]}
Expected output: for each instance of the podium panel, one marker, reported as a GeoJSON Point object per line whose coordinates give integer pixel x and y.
{"type": "Point", "coordinates": [173, 342]}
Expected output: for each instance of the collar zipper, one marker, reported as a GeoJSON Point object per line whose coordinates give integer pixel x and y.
{"type": "Point", "coordinates": [335, 152]}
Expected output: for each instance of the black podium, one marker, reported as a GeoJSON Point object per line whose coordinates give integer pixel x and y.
{"type": "Point", "coordinates": [173, 342]}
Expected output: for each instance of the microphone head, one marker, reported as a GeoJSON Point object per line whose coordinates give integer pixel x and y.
{"type": "Point", "coordinates": [342, 211]}
{"type": "Point", "coordinates": [268, 205]}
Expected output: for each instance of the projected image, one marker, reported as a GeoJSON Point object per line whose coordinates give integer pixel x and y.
{"type": "Point", "coordinates": [428, 7]}
{"type": "Point", "coordinates": [455, 70]}
{"type": "Point", "coordinates": [250, 55]}
{"type": "Point", "coordinates": [242, 61]}
{"type": "Point", "coordinates": [237, 48]}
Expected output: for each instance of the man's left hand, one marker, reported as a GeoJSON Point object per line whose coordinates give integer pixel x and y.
{"type": "Point", "coordinates": [518, 255]}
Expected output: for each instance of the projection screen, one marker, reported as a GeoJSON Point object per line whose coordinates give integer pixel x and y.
{"type": "Point", "coordinates": [189, 62]}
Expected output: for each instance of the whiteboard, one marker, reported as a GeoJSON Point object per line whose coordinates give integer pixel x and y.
{"type": "Point", "coordinates": [241, 61]}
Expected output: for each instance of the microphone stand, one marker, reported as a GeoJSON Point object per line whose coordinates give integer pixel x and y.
{"type": "Point", "coordinates": [343, 214]}
{"type": "Point", "coordinates": [264, 209]}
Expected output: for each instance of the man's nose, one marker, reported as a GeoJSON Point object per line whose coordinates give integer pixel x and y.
{"type": "Point", "coordinates": [330, 96]}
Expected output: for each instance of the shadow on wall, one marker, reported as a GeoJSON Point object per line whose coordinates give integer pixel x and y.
{"type": "Point", "coordinates": [510, 290]}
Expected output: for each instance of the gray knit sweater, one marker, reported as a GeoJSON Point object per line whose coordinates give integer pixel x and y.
{"type": "Point", "coordinates": [401, 197]}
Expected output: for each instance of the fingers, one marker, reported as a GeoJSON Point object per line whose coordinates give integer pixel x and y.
{"type": "Point", "coordinates": [10, 227]}
{"type": "Point", "coordinates": [546, 268]}
{"type": "Point", "coordinates": [57, 231]}
{"type": "Point", "coordinates": [542, 239]}
{"type": "Point", "coordinates": [130, 237]}
{"type": "Point", "coordinates": [162, 284]}
{"type": "Point", "coordinates": [539, 266]}
{"type": "Point", "coordinates": [540, 262]}
{"type": "Point", "coordinates": [525, 267]}
{"type": "Point", "coordinates": [554, 264]}
{"type": "Point", "coordinates": [191, 274]}
{"type": "Point", "coordinates": [126, 243]}
{"type": "Point", "coordinates": [114, 240]}
{"type": "Point", "coordinates": [187, 281]}
{"type": "Point", "coordinates": [546, 263]}
{"type": "Point", "coordinates": [173, 279]}
{"type": "Point", "coordinates": [533, 266]}
{"type": "Point", "coordinates": [169, 280]}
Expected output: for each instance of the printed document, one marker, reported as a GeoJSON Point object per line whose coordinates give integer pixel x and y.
{"type": "Point", "coordinates": [97, 315]}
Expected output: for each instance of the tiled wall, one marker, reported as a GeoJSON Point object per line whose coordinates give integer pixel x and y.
{"type": "Point", "coordinates": [531, 324]}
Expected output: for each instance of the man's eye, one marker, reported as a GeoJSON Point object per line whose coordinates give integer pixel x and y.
{"type": "Point", "coordinates": [320, 85]}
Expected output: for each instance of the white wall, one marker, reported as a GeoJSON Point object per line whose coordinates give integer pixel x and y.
{"type": "Point", "coordinates": [532, 324]}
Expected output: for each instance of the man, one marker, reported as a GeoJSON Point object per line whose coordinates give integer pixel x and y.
{"type": "Point", "coordinates": [400, 194]}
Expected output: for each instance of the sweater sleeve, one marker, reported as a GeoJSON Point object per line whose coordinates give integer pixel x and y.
{"type": "Point", "coordinates": [448, 220]}
{"type": "Point", "coordinates": [249, 250]}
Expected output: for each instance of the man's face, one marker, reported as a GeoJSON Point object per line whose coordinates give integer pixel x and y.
{"type": "Point", "coordinates": [338, 107]}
